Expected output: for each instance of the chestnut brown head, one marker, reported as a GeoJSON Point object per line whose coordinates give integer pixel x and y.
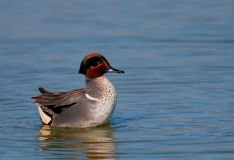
{"type": "Point", "coordinates": [95, 65]}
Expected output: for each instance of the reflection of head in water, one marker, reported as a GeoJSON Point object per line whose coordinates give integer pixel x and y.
{"type": "Point", "coordinates": [92, 143]}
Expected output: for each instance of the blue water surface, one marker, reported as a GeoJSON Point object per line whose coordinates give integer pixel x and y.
{"type": "Point", "coordinates": [175, 100]}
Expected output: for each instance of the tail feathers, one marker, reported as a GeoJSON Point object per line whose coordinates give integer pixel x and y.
{"type": "Point", "coordinates": [42, 90]}
{"type": "Point", "coordinates": [45, 114]}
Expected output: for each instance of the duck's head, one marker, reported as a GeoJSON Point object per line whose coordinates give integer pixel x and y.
{"type": "Point", "coordinates": [95, 65]}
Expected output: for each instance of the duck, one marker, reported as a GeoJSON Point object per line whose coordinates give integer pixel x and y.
{"type": "Point", "coordinates": [81, 108]}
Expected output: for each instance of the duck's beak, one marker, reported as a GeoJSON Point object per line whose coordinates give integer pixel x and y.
{"type": "Point", "coordinates": [113, 70]}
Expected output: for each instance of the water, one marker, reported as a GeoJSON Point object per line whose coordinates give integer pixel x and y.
{"type": "Point", "coordinates": [175, 100]}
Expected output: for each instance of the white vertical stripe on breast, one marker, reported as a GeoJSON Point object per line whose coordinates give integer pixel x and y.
{"type": "Point", "coordinates": [91, 98]}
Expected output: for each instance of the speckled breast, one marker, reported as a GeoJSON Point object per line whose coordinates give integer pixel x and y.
{"type": "Point", "coordinates": [106, 106]}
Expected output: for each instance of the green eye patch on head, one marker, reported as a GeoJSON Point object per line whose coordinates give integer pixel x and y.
{"type": "Point", "coordinates": [93, 61]}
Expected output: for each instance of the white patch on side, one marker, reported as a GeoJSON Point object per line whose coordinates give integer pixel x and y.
{"type": "Point", "coordinates": [46, 119]}
{"type": "Point", "coordinates": [91, 98]}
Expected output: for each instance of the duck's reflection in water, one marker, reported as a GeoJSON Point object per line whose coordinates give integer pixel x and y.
{"type": "Point", "coordinates": [91, 143]}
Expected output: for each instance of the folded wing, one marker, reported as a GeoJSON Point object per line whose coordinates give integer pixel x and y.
{"type": "Point", "coordinates": [54, 103]}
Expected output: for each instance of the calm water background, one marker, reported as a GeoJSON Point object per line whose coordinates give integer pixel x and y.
{"type": "Point", "coordinates": [175, 100]}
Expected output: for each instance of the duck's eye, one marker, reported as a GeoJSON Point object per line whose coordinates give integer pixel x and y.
{"type": "Point", "coordinates": [99, 61]}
